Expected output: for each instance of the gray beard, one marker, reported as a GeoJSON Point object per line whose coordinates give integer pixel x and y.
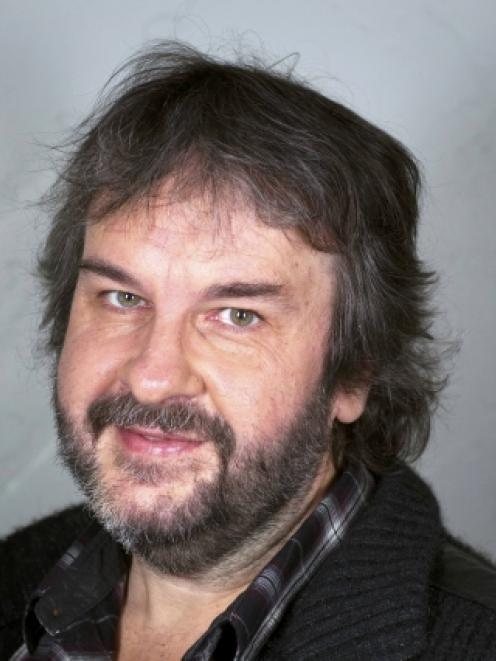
{"type": "Point", "coordinates": [246, 503]}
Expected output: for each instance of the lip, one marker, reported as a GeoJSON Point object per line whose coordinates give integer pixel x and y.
{"type": "Point", "coordinates": [153, 442]}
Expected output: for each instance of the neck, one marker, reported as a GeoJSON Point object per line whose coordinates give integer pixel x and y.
{"type": "Point", "coordinates": [163, 600]}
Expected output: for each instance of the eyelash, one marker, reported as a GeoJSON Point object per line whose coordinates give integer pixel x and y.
{"type": "Point", "coordinates": [106, 296]}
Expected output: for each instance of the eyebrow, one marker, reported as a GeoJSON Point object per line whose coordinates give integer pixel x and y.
{"type": "Point", "coordinates": [107, 270]}
{"type": "Point", "coordinates": [243, 290]}
{"type": "Point", "coordinates": [233, 289]}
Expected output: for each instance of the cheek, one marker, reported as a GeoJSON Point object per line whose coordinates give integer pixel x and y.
{"type": "Point", "coordinates": [261, 397]}
{"type": "Point", "coordinates": [87, 368]}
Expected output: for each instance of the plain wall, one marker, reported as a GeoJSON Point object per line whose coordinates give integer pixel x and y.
{"type": "Point", "coordinates": [424, 71]}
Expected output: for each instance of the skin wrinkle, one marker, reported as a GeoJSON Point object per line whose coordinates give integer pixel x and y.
{"type": "Point", "coordinates": [230, 510]}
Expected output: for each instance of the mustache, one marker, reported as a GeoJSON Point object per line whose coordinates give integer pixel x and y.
{"type": "Point", "coordinates": [127, 411]}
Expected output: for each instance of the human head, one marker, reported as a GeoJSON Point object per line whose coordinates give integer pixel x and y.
{"type": "Point", "coordinates": [301, 161]}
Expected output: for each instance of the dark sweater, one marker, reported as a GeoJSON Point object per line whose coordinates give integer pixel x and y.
{"type": "Point", "coordinates": [396, 588]}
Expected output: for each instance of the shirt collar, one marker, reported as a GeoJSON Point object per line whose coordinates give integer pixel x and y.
{"type": "Point", "coordinates": [83, 577]}
{"type": "Point", "coordinates": [255, 613]}
{"type": "Point", "coordinates": [94, 566]}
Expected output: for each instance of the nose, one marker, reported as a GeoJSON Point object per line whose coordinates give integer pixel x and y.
{"type": "Point", "coordinates": [159, 367]}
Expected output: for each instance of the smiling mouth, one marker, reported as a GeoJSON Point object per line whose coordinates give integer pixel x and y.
{"type": "Point", "coordinates": [154, 442]}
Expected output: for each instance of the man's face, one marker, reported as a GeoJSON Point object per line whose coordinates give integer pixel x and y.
{"type": "Point", "coordinates": [189, 386]}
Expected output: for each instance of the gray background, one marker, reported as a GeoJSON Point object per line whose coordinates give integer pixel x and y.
{"type": "Point", "coordinates": [423, 70]}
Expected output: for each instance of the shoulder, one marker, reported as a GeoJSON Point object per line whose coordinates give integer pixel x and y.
{"type": "Point", "coordinates": [464, 573]}
{"type": "Point", "coordinates": [28, 553]}
{"type": "Point", "coordinates": [396, 587]}
{"type": "Point", "coordinates": [25, 557]}
{"type": "Point", "coordinates": [462, 605]}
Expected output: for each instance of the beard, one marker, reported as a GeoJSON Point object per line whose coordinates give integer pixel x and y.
{"type": "Point", "coordinates": [259, 484]}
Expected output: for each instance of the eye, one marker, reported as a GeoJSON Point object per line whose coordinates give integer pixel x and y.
{"type": "Point", "coordinates": [124, 299]}
{"type": "Point", "coordinates": [239, 317]}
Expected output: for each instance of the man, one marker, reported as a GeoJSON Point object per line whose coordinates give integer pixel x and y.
{"type": "Point", "coordinates": [240, 326]}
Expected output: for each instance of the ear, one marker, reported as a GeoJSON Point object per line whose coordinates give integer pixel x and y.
{"type": "Point", "coordinates": [348, 406]}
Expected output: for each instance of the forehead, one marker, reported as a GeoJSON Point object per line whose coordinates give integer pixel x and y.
{"type": "Point", "coordinates": [195, 235]}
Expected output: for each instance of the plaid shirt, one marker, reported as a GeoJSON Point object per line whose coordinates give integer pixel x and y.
{"type": "Point", "coordinates": [73, 615]}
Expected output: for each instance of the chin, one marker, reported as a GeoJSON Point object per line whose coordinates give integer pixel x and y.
{"type": "Point", "coordinates": [147, 491]}
{"type": "Point", "coordinates": [186, 512]}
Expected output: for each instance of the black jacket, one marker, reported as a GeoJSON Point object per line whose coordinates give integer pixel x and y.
{"type": "Point", "coordinates": [397, 588]}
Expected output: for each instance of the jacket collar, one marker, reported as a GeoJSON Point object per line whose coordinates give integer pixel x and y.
{"type": "Point", "coordinates": [369, 599]}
